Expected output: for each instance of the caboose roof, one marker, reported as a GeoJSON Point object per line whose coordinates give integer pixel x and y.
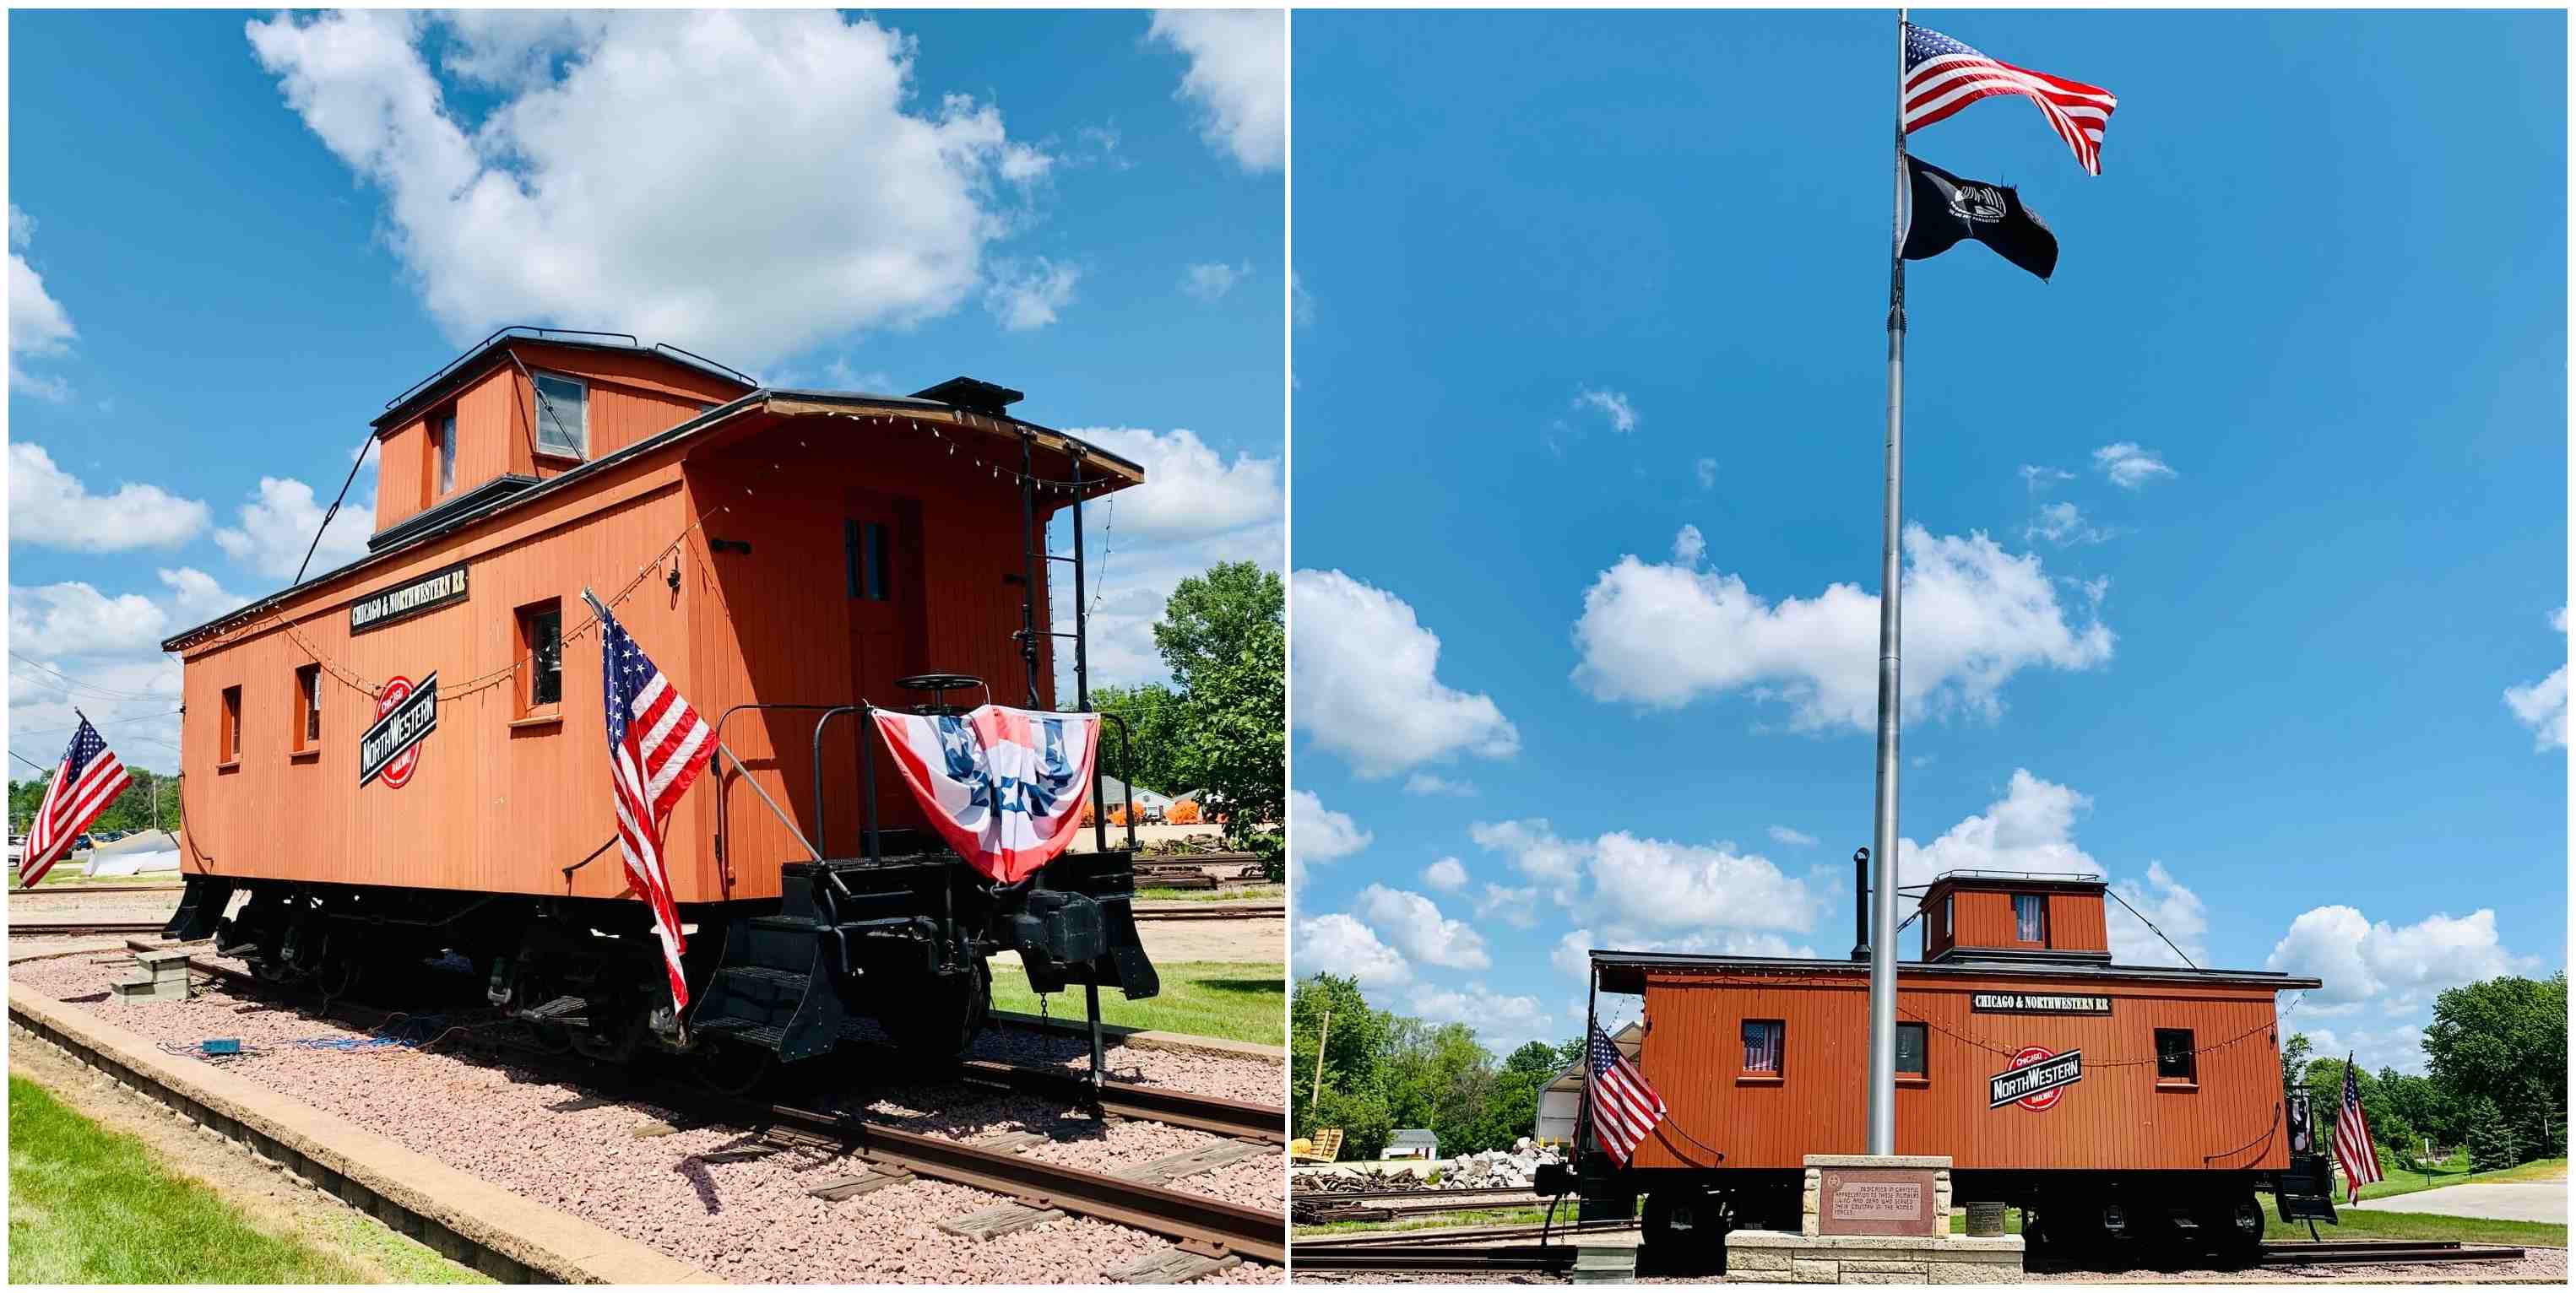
{"type": "Point", "coordinates": [1118, 472]}
{"type": "Point", "coordinates": [1626, 971]}
{"type": "Point", "coordinates": [489, 353]}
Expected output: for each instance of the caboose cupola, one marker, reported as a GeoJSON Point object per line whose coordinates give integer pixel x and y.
{"type": "Point", "coordinates": [2015, 916]}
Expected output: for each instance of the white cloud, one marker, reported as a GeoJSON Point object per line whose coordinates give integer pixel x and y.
{"type": "Point", "coordinates": [195, 597]}
{"type": "Point", "coordinates": [39, 326]}
{"type": "Point", "coordinates": [50, 507]}
{"type": "Point", "coordinates": [1663, 635]}
{"type": "Point", "coordinates": [1534, 847]}
{"type": "Point", "coordinates": [1706, 470]}
{"type": "Point", "coordinates": [72, 619]}
{"type": "Point", "coordinates": [1195, 509]}
{"type": "Point", "coordinates": [872, 206]}
{"type": "Point", "coordinates": [1338, 945]}
{"type": "Point", "coordinates": [276, 529]}
{"type": "Point", "coordinates": [1238, 77]}
{"type": "Point", "coordinates": [2063, 524]}
{"type": "Point", "coordinates": [1190, 489]}
{"type": "Point", "coordinates": [1689, 545]}
{"type": "Point", "coordinates": [1501, 1021]}
{"type": "Point", "coordinates": [1027, 294]}
{"type": "Point", "coordinates": [2542, 706]}
{"type": "Point", "coordinates": [1431, 783]}
{"type": "Point", "coordinates": [1792, 838]}
{"type": "Point", "coordinates": [1447, 875]}
{"type": "Point", "coordinates": [2174, 909]}
{"type": "Point", "coordinates": [1612, 405]}
{"type": "Point", "coordinates": [2039, 478]}
{"type": "Point", "coordinates": [1211, 282]}
{"type": "Point", "coordinates": [1413, 925]}
{"type": "Point", "coordinates": [1318, 834]}
{"type": "Point", "coordinates": [2396, 968]}
{"type": "Point", "coordinates": [2129, 466]}
{"type": "Point", "coordinates": [1366, 678]}
{"type": "Point", "coordinates": [1641, 883]}
{"type": "Point", "coordinates": [1514, 907]}
{"type": "Point", "coordinates": [1573, 953]}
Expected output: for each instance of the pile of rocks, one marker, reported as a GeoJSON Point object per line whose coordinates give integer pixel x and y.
{"type": "Point", "coordinates": [1514, 1168]}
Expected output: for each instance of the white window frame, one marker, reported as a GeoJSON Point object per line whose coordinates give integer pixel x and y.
{"type": "Point", "coordinates": [546, 422]}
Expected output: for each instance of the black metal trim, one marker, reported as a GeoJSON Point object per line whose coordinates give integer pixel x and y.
{"type": "Point", "coordinates": [472, 500]}
{"type": "Point", "coordinates": [1608, 961]}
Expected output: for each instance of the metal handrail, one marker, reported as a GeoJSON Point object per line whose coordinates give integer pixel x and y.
{"type": "Point", "coordinates": [1127, 778]}
{"type": "Point", "coordinates": [724, 820]}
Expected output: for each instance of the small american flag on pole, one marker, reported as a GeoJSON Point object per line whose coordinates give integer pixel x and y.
{"type": "Point", "coordinates": [89, 779]}
{"type": "Point", "coordinates": [657, 745]}
{"type": "Point", "coordinates": [1624, 1109]}
{"type": "Point", "coordinates": [2352, 1142]}
{"type": "Point", "coordinates": [1943, 76]}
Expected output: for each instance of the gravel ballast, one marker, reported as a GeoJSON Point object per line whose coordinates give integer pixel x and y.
{"type": "Point", "coordinates": [746, 1221]}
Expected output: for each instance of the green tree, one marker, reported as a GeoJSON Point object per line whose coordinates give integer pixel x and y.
{"type": "Point", "coordinates": [131, 810]}
{"type": "Point", "coordinates": [2493, 1143]}
{"type": "Point", "coordinates": [2503, 1041]}
{"type": "Point", "coordinates": [1224, 637]}
{"type": "Point", "coordinates": [1355, 1049]}
{"type": "Point", "coordinates": [2424, 1105]}
{"type": "Point", "coordinates": [1155, 726]}
{"type": "Point", "coordinates": [2295, 1054]}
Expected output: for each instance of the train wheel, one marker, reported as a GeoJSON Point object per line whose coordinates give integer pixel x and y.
{"type": "Point", "coordinates": [2233, 1228]}
{"type": "Point", "coordinates": [729, 1067]}
{"type": "Point", "coordinates": [936, 1017]}
{"type": "Point", "coordinates": [1684, 1233]}
{"type": "Point", "coordinates": [338, 976]}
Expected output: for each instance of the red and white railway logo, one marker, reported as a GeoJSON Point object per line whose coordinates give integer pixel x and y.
{"type": "Point", "coordinates": [2022, 1059]}
{"type": "Point", "coordinates": [402, 735]}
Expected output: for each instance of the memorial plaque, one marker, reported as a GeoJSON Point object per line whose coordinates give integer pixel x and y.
{"type": "Point", "coordinates": [1875, 1201]}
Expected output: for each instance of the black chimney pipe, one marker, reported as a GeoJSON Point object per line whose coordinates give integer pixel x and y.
{"type": "Point", "coordinates": [1860, 904]}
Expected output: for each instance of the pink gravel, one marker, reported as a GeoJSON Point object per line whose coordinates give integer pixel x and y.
{"type": "Point", "coordinates": [1236, 1077]}
{"type": "Point", "coordinates": [746, 1221]}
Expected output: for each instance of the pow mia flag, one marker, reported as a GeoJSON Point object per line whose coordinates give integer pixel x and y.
{"type": "Point", "coordinates": [1947, 209]}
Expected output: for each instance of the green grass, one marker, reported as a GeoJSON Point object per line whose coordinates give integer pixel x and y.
{"type": "Point", "coordinates": [2358, 1224]}
{"type": "Point", "coordinates": [93, 1206]}
{"type": "Point", "coordinates": [1244, 1002]}
{"type": "Point", "coordinates": [1248, 893]}
{"type": "Point", "coordinates": [2455, 1171]}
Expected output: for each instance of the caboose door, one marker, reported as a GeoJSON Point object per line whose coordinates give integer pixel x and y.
{"type": "Point", "coordinates": [881, 559]}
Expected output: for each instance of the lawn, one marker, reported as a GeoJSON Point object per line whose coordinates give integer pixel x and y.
{"type": "Point", "coordinates": [2455, 1171]}
{"type": "Point", "coordinates": [1242, 1001]}
{"type": "Point", "coordinates": [1437, 1221]}
{"type": "Point", "coordinates": [2358, 1224]}
{"type": "Point", "coordinates": [1246, 893]}
{"type": "Point", "coordinates": [92, 1206]}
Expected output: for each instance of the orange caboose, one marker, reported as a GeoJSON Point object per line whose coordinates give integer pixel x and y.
{"type": "Point", "coordinates": [405, 755]}
{"type": "Point", "coordinates": [2105, 1099]}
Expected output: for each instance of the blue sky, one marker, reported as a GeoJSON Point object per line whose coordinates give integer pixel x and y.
{"type": "Point", "coordinates": [2234, 537]}
{"type": "Point", "coordinates": [233, 238]}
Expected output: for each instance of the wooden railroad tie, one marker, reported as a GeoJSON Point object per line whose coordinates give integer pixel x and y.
{"type": "Point", "coordinates": [1173, 1266]}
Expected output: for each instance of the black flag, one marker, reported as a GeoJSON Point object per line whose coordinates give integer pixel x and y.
{"type": "Point", "coordinates": [1947, 209]}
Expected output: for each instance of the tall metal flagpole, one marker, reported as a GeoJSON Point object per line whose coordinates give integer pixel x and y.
{"type": "Point", "coordinates": [1882, 853]}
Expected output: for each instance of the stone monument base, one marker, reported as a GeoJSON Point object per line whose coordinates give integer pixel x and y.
{"type": "Point", "coordinates": [1873, 1219]}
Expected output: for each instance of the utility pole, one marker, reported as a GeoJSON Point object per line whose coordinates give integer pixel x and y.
{"type": "Point", "coordinates": [1322, 1035]}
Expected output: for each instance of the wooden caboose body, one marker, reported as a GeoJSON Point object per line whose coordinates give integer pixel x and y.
{"type": "Point", "coordinates": [2049, 1076]}
{"type": "Point", "coordinates": [778, 553]}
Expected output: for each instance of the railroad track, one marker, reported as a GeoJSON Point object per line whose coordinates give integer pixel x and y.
{"type": "Point", "coordinates": [83, 890]}
{"type": "Point", "coordinates": [2375, 1252]}
{"type": "Point", "coordinates": [37, 927]}
{"type": "Point", "coordinates": [1391, 1258]}
{"type": "Point", "coordinates": [1202, 1223]}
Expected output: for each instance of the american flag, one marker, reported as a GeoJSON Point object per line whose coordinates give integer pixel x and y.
{"type": "Point", "coordinates": [2352, 1138]}
{"type": "Point", "coordinates": [657, 745]}
{"type": "Point", "coordinates": [1943, 76]}
{"type": "Point", "coordinates": [89, 779]}
{"type": "Point", "coordinates": [1624, 1108]}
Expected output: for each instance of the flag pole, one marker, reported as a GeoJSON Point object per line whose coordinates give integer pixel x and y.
{"type": "Point", "coordinates": [1882, 853]}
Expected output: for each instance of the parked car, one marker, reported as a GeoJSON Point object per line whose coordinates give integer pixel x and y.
{"type": "Point", "coordinates": [84, 842]}
{"type": "Point", "coordinates": [17, 849]}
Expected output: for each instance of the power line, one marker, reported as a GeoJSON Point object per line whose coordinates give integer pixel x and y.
{"type": "Point", "coordinates": [107, 692]}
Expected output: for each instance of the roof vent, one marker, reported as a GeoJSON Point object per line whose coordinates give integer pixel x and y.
{"type": "Point", "coordinates": [971, 395]}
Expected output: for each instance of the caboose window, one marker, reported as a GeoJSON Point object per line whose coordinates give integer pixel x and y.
{"type": "Point", "coordinates": [2030, 918]}
{"type": "Point", "coordinates": [2176, 1060]}
{"type": "Point", "coordinates": [446, 452]}
{"type": "Point", "coordinates": [1911, 1051]}
{"type": "Point", "coordinates": [1945, 916]}
{"type": "Point", "coordinates": [871, 567]}
{"type": "Point", "coordinates": [1763, 1040]}
{"type": "Point", "coordinates": [563, 414]}
{"type": "Point", "coordinates": [228, 732]}
{"type": "Point", "coordinates": [541, 657]}
{"type": "Point", "coordinates": [308, 708]}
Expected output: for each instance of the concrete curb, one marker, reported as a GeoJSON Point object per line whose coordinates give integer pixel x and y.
{"type": "Point", "coordinates": [1143, 1038]}
{"type": "Point", "coordinates": [470, 1221]}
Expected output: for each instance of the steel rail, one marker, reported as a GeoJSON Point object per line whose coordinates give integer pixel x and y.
{"type": "Point", "coordinates": [1247, 1119]}
{"type": "Point", "coordinates": [76, 890]}
{"type": "Point", "coordinates": [1429, 1238]}
{"type": "Point", "coordinates": [1214, 1224]}
{"type": "Point", "coordinates": [1232, 1227]}
{"type": "Point", "coordinates": [18, 928]}
{"type": "Point", "coordinates": [2376, 1252]}
{"type": "Point", "coordinates": [1213, 911]}
{"type": "Point", "coordinates": [1428, 1192]}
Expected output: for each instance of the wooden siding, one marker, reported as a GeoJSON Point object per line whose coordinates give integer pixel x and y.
{"type": "Point", "coordinates": [1985, 919]}
{"type": "Point", "coordinates": [2117, 1116]}
{"type": "Point", "coordinates": [500, 805]}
